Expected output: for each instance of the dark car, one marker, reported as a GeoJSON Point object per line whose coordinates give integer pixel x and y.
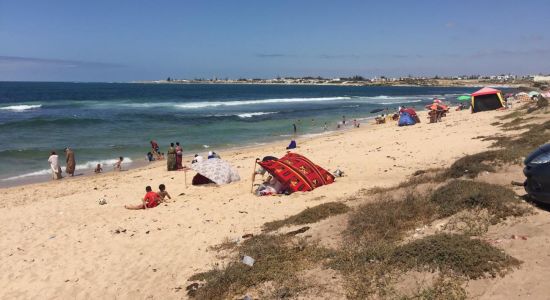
{"type": "Point", "coordinates": [537, 171]}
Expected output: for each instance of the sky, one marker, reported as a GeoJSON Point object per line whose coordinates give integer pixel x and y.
{"type": "Point", "coordinates": [128, 40]}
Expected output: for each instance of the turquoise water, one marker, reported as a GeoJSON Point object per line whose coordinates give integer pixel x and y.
{"type": "Point", "coordinates": [101, 121]}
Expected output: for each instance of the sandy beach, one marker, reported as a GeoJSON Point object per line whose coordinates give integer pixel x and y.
{"type": "Point", "coordinates": [59, 243]}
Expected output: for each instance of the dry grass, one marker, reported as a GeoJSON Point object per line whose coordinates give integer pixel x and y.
{"type": "Point", "coordinates": [278, 259]}
{"type": "Point", "coordinates": [512, 115]}
{"type": "Point", "coordinates": [472, 165]}
{"type": "Point", "coordinates": [459, 195]}
{"type": "Point", "coordinates": [459, 254]}
{"type": "Point", "coordinates": [448, 288]}
{"type": "Point", "coordinates": [374, 255]}
{"type": "Point", "coordinates": [388, 219]}
{"type": "Point", "coordinates": [310, 215]}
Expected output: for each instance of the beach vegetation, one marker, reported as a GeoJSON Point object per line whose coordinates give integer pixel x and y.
{"type": "Point", "coordinates": [278, 259]}
{"type": "Point", "coordinates": [387, 219]}
{"type": "Point", "coordinates": [458, 195]}
{"type": "Point", "coordinates": [309, 215]}
{"type": "Point", "coordinates": [444, 287]}
{"type": "Point", "coordinates": [515, 114]}
{"type": "Point", "coordinates": [456, 253]}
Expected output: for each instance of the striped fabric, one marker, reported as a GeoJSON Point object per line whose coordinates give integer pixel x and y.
{"type": "Point", "coordinates": [297, 173]}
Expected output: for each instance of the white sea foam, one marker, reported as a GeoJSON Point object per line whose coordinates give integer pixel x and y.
{"type": "Point", "coordinates": [193, 105]}
{"type": "Point", "coordinates": [260, 113]}
{"type": "Point", "coordinates": [401, 101]}
{"type": "Point", "coordinates": [85, 166]}
{"type": "Point", "coordinates": [21, 107]}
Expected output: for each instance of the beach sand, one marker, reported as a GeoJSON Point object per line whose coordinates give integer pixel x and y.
{"type": "Point", "coordinates": [58, 242]}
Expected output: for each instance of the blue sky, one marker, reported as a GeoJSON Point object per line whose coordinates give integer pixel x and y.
{"type": "Point", "coordinates": [124, 40]}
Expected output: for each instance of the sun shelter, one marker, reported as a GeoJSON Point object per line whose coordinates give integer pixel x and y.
{"type": "Point", "coordinates": [487, 99]}
{"type": "Point", "coordinates": [405, 119]}
{"type": "Point", "coordinates": [214, 170]}
{"type": "Point", "coordinates": [297, 173]}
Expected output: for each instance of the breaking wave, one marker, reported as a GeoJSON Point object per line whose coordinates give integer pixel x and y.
{"type": "Point", "coordinates": [21, 107]}
{"type": "Point", "coordinates": [85, 166]}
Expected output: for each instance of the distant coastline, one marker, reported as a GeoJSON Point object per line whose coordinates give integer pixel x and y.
{"type": "Point", "coordinates": [404, 82]}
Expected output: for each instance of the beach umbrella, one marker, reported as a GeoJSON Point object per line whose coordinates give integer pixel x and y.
{"type": "Point", "coordinates": [217, 170]}
{"type": "Point", "coordinates": [533, 93]}
{"type": "Point", "coordinates": [376, 110]}
{"type": "Point", "coordinates": [464, 98]}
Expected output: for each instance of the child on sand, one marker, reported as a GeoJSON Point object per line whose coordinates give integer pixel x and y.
{"type": "Point", "coordinates": [150, 200]}
{"type": "Point", "coordinates": [118, 164]}
{"type": "Point", "coordinates": [98, 169]}
{"type": "Point", "coordinates": [163, 193]}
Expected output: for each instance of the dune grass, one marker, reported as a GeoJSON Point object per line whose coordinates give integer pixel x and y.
{"type": "Point", "coordinates": [309, 215]}
{"type": "Point", "coordinates": [460, 254]}
{"type": "Point", "coordinates": [278, 259]}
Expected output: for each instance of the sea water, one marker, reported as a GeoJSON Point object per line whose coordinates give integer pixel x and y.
{"type": "Point", "coordinates": [102, 121]}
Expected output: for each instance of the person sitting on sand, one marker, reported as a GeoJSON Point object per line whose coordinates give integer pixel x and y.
{"type": "Point", "coordinates": [98, 169]}
{"type": "Point", "coordinates": [150, 200]}
{"type": "Point", "coordinates": [163, 193]}
{"type": "Point", "coordinates": [150, 157]}
{"type": "Point", "coordinates": [118, 164]}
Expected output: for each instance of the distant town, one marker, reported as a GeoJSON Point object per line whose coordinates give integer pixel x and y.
{"type": "Point", "coordinates": [463, 80]}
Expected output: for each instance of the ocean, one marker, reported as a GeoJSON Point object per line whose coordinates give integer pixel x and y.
{"type": "Point", "coordinates": [102, 121]}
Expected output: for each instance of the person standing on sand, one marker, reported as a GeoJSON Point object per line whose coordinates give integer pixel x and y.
{"type": "Point", "coordinates": [54, 165]}
{"type": "Point", "coordinates": [179, 156]}
{"type": "Point", "coordinates": [71, 163]}
{"type": "Point", "coordinates": [171, 161]}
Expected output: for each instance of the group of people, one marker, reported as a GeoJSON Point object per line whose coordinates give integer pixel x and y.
{"type": "Point", "coordinates": [70, 167]}
{"type": "Point", "coordinates": [151, 199]}
{"type": "Point", "coordinates": [56, 168]}
{"type": "Point", "coordinates": [175, 157]}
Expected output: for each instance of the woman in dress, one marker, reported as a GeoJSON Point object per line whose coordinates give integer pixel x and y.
{"type": "Point", "coordinates": [179, 156]}
{"type": "Point", "coordinates": [171, 161]}
{"type": "Point", "coordinates": [69, 154]}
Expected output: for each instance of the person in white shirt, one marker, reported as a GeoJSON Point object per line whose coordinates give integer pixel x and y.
{"type": "Point", "coordinates": [54, 165]}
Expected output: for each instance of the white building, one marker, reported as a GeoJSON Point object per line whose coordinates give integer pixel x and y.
{"type": "Point", "coordinates": [540, 78]}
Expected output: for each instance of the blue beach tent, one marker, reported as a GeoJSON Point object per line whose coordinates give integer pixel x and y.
{"type": "Point", "coordinates": [405, 119]}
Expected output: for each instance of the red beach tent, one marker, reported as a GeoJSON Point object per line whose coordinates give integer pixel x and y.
{"type": "Point", "coordinates": [487, 99]}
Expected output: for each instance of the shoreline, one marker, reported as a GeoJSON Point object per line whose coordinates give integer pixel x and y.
{"type": "Point", "coordinates": [60, 223]}
{"type": "Point", "coordinates": [138, 163]}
